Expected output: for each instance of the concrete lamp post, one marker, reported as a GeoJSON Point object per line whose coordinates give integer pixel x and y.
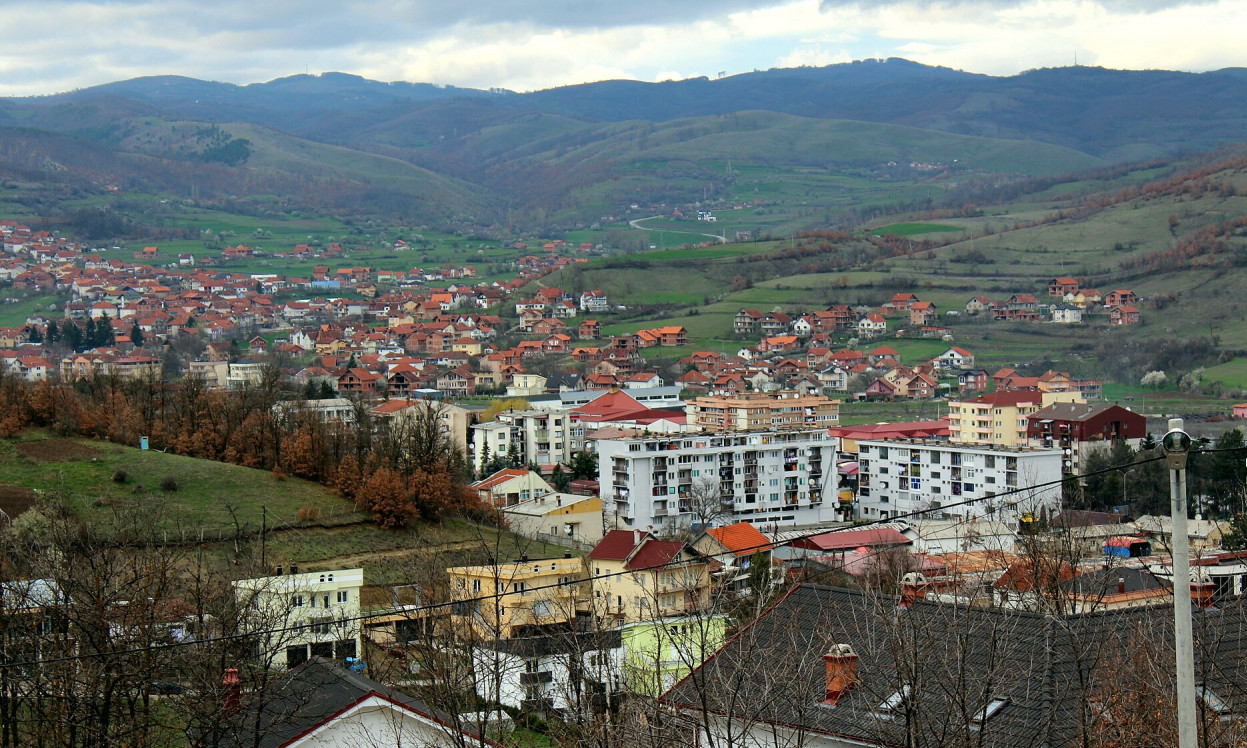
{"type": "Point", "coordinates": [1177, 447]}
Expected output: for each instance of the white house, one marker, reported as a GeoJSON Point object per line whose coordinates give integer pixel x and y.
{"type": "Point", "coordinates": [557, 672]}
{"type": "Point", "coordinates": [955, 359]}
{"type": "Point", "coordinates": [319, 705]}
{"type": "Point", "coordinates": [298, 616]}
{"type": "Point", "coordinates": [594, 301]}
{"type": "Point", "coordinates": [1066, 315]}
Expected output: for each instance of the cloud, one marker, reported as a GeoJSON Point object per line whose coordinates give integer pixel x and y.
{"type": "Point", "coordinates": [66, 44]}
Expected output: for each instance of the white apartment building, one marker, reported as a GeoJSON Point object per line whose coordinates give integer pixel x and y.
{"type": "Point", "coordinates": [765, 478]}
{"type": "Point", "coordinates": [899, 477]}
{"type": "Point", "coordinates": [297, 616]}
{"type": "Point", "coordinates": [541, 436]}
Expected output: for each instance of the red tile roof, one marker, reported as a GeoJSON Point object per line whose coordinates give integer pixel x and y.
{"type": "Point", "coordinates": [846, 539]}
{"type": "Point", "coordinates": [742, 538]}
{"type": "Point", "coordinates": [654, 553]}
{"type": "Point", "coordinates": [617, 545]}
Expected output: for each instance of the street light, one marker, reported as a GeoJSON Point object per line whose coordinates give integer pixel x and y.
{"type": "Point", "coordinates": [1124, 473]}
{"type": "Point", "coordinates": [1177, 446]}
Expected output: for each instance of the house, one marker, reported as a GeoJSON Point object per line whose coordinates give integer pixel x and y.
{"type": "Point", "coordinates": [1065, 314]}
{"type": "Point", "coordinates": [518, 598]}
{"type": "Point", "coordinates": [636, 576]}
{"type": "Point", "coordinates": [972, 380]}
{"type": "Point", "coordinates": [737, 547]}
{"type": "Point", "coordinates": [979, 304]}
{"type": "Point", "coordinates": [747, 321]}
{"type": "Point", "coordinates": [955, 358]}
{"type": "Point", "coordinates": [1080, 428]}
{"type": "Point", "coordinates": [856, 668]}
{"type": "Point", "coordinates": [923, 313]}
{"type": "Point", "coordinates": [1123, 315]}
{"type": "Point", "coordinates": [871, 325]}
{"type": "Point", "coordinates": [298, 616]}
{"type": "Point", "coordinates": [594, 302]}
{"type": "Point", "coordinates": [590, 329]}
{"type": "Point", "coordinates": [557, 515]}
{"type": "Point", "coordinates": [321, 704]}
{"type": "Point", "coordinates": [1063, 285]}
{"type": "Point", "coordinates": [1120, 297]}
{"type": "Point", "coordinates": [511, 486]}
{"type": "Point", "coordinates": [900, 302]}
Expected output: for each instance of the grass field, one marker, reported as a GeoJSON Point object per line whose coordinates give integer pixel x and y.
{"type": "Point", "coordinates": [82, 471]}
{"type": "Point", "coordinates": [914, 229]}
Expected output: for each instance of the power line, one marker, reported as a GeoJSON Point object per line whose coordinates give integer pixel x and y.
{"type": "Point", "coordinates": [499, 595]}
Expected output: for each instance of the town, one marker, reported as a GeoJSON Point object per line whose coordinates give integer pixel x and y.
{"type": "Point", "coordinates": [698, 542]}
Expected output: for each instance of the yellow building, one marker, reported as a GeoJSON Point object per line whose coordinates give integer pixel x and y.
{"type": "Point", "coordinates": [635, 577]}
{"type": "Point", "coordinates": [759, 412]}
{"type": "Point", "coordinates": [521, 598]}
{"type": "Point", "coordinates": [999, 418]}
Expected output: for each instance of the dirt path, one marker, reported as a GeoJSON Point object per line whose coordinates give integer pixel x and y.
{"type": "Point", "coordinates": [636, 224]}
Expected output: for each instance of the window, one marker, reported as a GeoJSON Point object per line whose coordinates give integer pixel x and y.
{"type": "Point", "coordinates": [988, 711]}
{"type": "Point", "coordinates": [476, 585]}
{"type": "Point", "coordinates": [297, 601]}
{"type": "Point", "coordinates": [1213, 703]}
{"type": "Point", "coordinates": [343, 596]}
{"type": "Point", "coordinates": [893, 704]}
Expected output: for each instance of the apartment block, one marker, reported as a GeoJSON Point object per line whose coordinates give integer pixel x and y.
{"type": "Point", "coordinates": [759, 477]}
{"type": "Point", "coordinates": [999, 418]}
{"type": "Point", "coordinates": [760, 412]}
{"type": "Point", "coordinates": [298, 616]}
{"type": "Point", "coordinates": [545, 437]}
{"type": "Point", "coordinates": [955, 481]}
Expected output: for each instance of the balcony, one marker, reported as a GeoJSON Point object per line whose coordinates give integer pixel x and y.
{"type": "Point", "coordinates": [532, 679]}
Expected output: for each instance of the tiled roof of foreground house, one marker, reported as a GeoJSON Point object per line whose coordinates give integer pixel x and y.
{"type": "Point", "coordinates": [932, 669]}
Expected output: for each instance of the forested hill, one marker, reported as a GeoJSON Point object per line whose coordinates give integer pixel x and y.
{"type": "Point", "coordinates": [1106, 113]}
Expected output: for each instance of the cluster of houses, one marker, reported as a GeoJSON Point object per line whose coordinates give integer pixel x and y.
{"type": "Point", "coordinates": [1068, 305]}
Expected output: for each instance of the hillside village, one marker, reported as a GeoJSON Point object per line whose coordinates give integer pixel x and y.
{"type": "Point", "coordinates": [704, 502]}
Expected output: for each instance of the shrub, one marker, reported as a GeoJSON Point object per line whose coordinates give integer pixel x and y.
{"type": "Point", "coordinates": [120, 476]}
{"type": "Point", "coordinates": [169, 483]}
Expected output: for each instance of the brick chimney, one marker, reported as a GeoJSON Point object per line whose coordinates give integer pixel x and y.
{"type": "Point", "coordinates": [841, 672]}
{"type": "Point", "coordinates": [1202, 590]}
{"type": "Point", "coordinates": [233, 691]}
{"type": "Point", "coordinates": [913, 588]}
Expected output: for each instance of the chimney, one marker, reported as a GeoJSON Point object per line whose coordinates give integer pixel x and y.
{"type": "Point", "coordinates": [636, 537]}
{"type": "Point", "coordinates": [841, 672]}
{"type": "Point", "coordinates": [279, 570]}
{"type": "Point", "coordinates": [1121, 585]}
{"type": "Point", "coordinates": [233, 691]}
{"type": "Point", "coordinates": [1202, 590]}
{"type": "Point", "coordinates": [567, 554]}
{"type": "Point", "coordinates": [913, 589]}
{"type": "Point", "coordinates": [294, 568]}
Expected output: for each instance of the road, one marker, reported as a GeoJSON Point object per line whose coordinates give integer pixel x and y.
{"type": "Point", "coordinates": [636, 224]}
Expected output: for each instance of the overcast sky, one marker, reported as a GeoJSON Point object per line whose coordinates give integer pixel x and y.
{"type": "Point", "coordinates": [58, 45]}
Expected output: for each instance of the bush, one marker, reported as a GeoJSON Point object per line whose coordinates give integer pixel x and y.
{"type": "Point", "coordinates": [169, 483]}
{"type": "Point", "coordinates": [120, 476]}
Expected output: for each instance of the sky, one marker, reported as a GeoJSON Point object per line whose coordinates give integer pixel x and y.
{"type": "Point", "coordinates": [524, 45]}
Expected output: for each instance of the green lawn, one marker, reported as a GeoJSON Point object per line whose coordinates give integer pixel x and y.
{"type": "Point", "coordinates": [83, 472]}
{"type": "Point", "coordinates": [912, 229]}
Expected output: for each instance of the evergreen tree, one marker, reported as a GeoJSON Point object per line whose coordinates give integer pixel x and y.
{"type": "Point", "coordinates": [54, 333]}
{"type": "Point", "coordinates": [104, 331]}
{"type": "Point", "coordinates": [583, 466]}
{"type": "Point", "coordinates": [72, 334]}
{"type": "Point", "coordinates": [90, 337]}
{"type": "Point", "coordinates": [310, 390]}
{"type": "Point", "coordinates": [326, 390]}
{"type": "Point", "coordinates": [33, 334]}
{"type": "Point", "coordinates": [136, 335]}
{"type": "Point", "coordinates": [561, 481]}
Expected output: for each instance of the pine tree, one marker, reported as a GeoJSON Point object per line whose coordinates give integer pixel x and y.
{"type": "Point", "coordinates": [90, 337]}
{"type": "Point", "coordinates": [136, 335]}
{"type": "Point", "coordinates": [33, 334]}
{"type": "Point", "coordinates": [54, 333]}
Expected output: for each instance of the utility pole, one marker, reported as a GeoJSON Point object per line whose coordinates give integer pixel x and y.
{"type": "Point", "coordinates": [264, 538]}
{"type": "Point", "coordinates": [1177, 446]}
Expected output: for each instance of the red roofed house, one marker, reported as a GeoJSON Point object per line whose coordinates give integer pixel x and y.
{"type": "Point", "coordinates": [737, 547]}
{"type": "Point", "coordinates": [511, 486]}
{"type": "Point", "coordinates": [640, 577]}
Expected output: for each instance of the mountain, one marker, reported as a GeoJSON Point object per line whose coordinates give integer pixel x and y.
{"type": "Point", "coordinates": [483, 154]}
